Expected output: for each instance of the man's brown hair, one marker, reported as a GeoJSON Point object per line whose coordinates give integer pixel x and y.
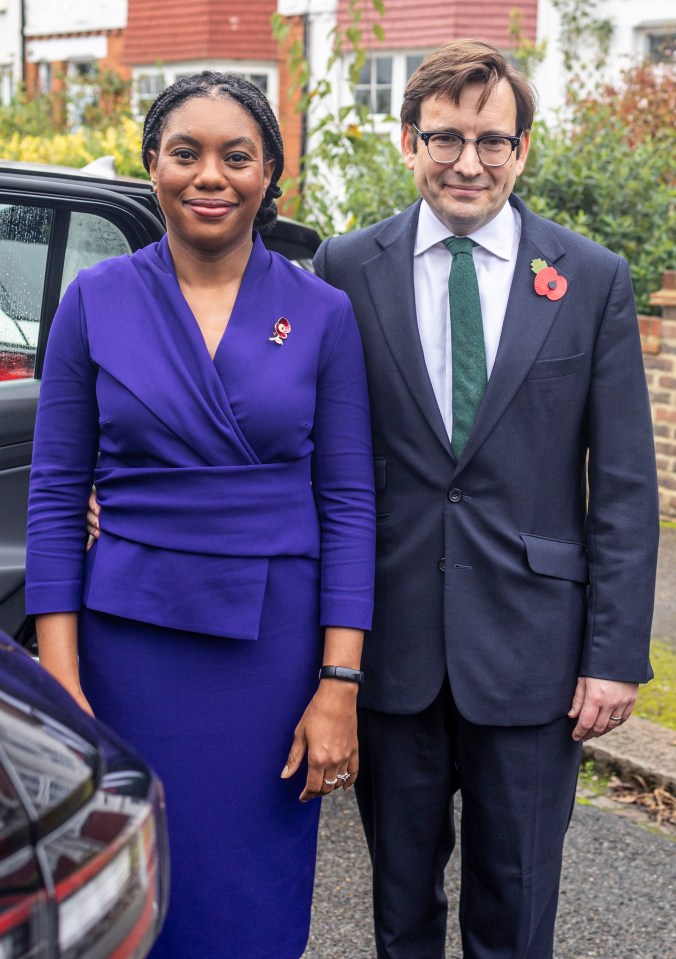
{"type": "Point", "coordinates": [447, 70]}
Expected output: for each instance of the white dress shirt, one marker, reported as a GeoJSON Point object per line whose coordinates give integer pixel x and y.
{"type": "Point", "coordinates": [494, 260]}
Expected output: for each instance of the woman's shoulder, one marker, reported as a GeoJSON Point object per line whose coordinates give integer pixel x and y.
{"type": "Point", "coordinates": [306, 281]}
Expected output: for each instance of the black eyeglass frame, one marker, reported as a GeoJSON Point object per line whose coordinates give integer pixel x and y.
{"type": "Point", "coordinates": [426, 135]}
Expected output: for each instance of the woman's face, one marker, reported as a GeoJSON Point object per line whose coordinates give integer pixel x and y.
{"type": "Point", "coordinates": [210, 174]}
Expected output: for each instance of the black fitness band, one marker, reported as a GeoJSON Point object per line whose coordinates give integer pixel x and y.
{"type": "Point", "coordinates": [342, 672]}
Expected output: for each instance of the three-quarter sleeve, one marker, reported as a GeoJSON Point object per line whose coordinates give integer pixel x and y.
{"type": "Point", "coordinates": [64, 456]}
{"type": "Point", "coordinates": [342, 475]}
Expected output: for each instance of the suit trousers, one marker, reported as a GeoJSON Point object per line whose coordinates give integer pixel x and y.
{"type": "Point", "coordinates": [517, 786]}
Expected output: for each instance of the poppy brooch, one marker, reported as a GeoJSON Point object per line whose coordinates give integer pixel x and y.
{"type": "Point", "coordinates": [548, 282]}
{"type": "Point", "coordinates": [281, 331]}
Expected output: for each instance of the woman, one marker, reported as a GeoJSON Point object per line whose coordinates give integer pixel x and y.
{"type": "Point", "coordinates": [223, 391]}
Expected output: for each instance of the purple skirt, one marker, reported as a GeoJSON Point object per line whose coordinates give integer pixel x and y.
{"type": "Point", "coordinates": [215, 719]}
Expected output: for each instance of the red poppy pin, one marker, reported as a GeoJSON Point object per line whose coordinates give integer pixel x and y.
{"type": "Point", "coordinates": [548, 282]}
{"type": "Point", "coordinates": [282, 330]}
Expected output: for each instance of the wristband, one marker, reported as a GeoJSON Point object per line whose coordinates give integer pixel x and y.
{"type": "Point", "coordinates": [342, 672]}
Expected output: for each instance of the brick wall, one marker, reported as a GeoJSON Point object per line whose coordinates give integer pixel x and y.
{"type": "Point", "coordinates": [658, 339]}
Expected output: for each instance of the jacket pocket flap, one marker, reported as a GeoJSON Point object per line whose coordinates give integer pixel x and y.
{"type": "Point", "coordinates": [556, 557]}
{"type": "Point", "coordinates": [556, 366]}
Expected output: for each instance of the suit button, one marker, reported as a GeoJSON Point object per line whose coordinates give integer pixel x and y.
{"type": "Point", "coordinates": [455, 495]}
{"type": "Point", "coordinates": [442, 564]}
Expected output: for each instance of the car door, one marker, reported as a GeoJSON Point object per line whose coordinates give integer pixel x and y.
{"type": "Point", "coordinates": [49, 229]}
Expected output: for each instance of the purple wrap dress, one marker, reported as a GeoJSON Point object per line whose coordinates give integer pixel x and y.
{"type": "Point", "coordinates": [237, 520]}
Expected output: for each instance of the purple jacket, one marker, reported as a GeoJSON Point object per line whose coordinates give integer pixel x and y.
{"type": "Point", "coordinates": [207, 469]}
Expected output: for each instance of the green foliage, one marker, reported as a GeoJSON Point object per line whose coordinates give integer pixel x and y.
{"type": "Point", "coordinates": [96, 101]}
{"type": "Point", "coordinates": [526, 54]}
{"type": "Point", "coordinates": [353, 175]}
{"type": "Point", "coordinates": [592, 174]}
{"type": "Point", "coordinates": [581, 31]}
{"type": "Point", "coordinates": [38, 130]}
{"type": "Point", "coordinates": [31, 116]}
{"type": "Point", "coordinates": [123, 142]}
{"type": "Point", "coordinates": [591, 780]}
{"type": "Point", "coordinates": [657, 700]}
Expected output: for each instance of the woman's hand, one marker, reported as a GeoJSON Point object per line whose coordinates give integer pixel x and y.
{"type": "Point", "coordinates": [328, 732]}
{"type": "Point", "coordinates": [93, 528]}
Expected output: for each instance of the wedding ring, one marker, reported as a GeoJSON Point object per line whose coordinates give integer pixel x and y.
{"type": "Point", "coordinates": [330, 782]}
{"type": "Point", "coordinates": [616, 719]}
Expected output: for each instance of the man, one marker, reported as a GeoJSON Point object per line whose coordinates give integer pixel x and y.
{"type": "Point", "coordinates": [517, 518]}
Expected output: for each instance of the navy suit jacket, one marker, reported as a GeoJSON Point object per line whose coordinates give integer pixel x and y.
{"type": "Point", "coordinates": [531, 560]}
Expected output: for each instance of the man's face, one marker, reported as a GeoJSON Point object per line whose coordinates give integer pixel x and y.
{"type": "Point", "coordinates": [465, 195]}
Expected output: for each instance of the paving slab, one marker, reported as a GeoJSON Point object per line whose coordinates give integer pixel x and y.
{"type": "Point", "coordinates": [639, 748]}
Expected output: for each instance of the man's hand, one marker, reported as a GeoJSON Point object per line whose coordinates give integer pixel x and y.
{"type": "Point", "coordinates": [93, 511]}
{"type": "Point", "coordinates": [600, 705]}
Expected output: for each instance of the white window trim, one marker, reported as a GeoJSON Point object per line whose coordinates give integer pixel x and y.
{"type": "Point", "coordinates": [172, 71]}
{"type": "Point", "coordinates": [382, 123]}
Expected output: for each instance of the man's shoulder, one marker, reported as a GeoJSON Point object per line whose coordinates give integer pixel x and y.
{"type": "Point", "coordinates": [376, 235]}
{"type": "Point", "coordinates": [538, 227]}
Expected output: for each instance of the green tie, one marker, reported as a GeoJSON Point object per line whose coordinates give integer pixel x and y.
{"type": "Point", "coordinates": [467, 340]}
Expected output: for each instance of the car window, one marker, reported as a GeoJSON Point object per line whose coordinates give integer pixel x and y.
{"type": "Point", "coordinates": [91, 238]}
{"type": "Point", "coordinates": [25, 234]}
{"type": "Point", "coordinates": [24, 239]}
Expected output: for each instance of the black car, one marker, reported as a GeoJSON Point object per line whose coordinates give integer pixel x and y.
{"type": "Point", "coordinates": [83, 847]}
{"type": "Point", "coordinates": [54, 222]}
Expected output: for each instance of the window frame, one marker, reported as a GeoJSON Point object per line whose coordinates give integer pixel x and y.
{"type": "Point", "coordinates": [137, 224]}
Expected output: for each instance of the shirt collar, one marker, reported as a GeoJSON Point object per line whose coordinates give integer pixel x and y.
{"type": "Point", "coordinates": [497, 236]}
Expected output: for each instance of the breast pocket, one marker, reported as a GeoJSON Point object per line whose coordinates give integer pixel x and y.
{"type": "Point", "coordinates": [547, 369]}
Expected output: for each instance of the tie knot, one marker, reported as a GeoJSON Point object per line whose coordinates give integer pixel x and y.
{"type": "Point", "coordinates": [459, 244]}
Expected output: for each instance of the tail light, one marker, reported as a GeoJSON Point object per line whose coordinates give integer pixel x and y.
{"type": "Point", "coordinates": [110, 906]}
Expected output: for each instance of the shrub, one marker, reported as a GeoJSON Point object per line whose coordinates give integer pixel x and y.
{"type": "Point", "coordinates": [607, 172]}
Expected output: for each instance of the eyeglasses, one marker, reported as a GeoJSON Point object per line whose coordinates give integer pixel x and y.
{"type": "Point", "coordinates": [492, 150]}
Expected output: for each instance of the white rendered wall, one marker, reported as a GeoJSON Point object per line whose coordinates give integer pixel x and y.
{"type": "Point", "coordinates": [632, 21]}
{"type": "Point", "coordinates": [10, 48]}
{"type": "Point", "coordinates": [74, 16]}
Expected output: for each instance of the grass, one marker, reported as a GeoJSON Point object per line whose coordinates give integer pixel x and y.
{"type": "Point", "coordinates": [591, 781]}
{"type": "Point", "coordinates": [657, 700]}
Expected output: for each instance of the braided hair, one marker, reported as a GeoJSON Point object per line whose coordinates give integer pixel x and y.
{"type": "Point", "coordinates": [208, 83]}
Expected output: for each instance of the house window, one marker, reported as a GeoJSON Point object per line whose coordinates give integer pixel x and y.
{"type": "Point", "coordinates": [44, 77]}
{"type": "Point", "coordinates": [148, 86]}
{"type": "Point", "coordinates": [412, 64]}
{"type": "Point", "coordinates": [374, 87]}
{"type": "Point", "coordinates": [6, 83]}
{"type": "Point", "coordinates": [662, 47]}
{"type": "Point", "coordinates": [258, 79]}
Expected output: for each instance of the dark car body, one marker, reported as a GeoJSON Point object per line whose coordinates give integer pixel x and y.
{"type": "Point", "coordinates": [83, 847]}
{"type": "Point", "coordinates": [54, 222]}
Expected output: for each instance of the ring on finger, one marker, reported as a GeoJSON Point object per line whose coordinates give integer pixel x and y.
{"type": "Point", "coordinates": [330, 782]}
{"type": "Point", "coordinates": [343, 776]}
{"type": "Point", "coordinates": [616, 719]}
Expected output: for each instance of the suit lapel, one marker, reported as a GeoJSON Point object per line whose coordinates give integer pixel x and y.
{"type": "Point", "coordinates": [389, 276]}
{"type": "Point", "coordinates": [528, 320]}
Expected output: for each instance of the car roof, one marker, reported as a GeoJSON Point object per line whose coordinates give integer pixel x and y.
{"type": "Point", "coordinates": [93, 175]}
